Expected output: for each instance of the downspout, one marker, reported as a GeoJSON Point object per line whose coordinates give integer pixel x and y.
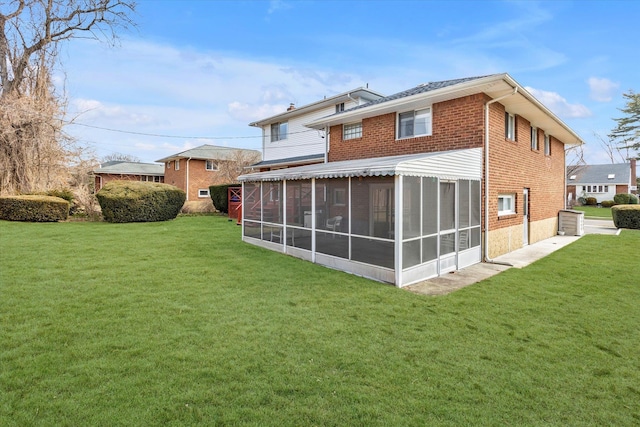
{"type": "Point", "coordinates": [326, 144]}
{"type": "Point", "coordinates": [486, 173]}
{"type": "Point", "coordinates": [187, 181]}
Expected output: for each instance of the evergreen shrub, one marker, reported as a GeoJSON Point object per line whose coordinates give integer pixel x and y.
{"type": "Point", "coordinates": [591, 201]}
{"type": "Point", "coordinates": [607, 203]}
{"type": "Point", "coordinates": [34, 208]}
{"type": "Point", "coordinates": [626, 216]}
{"type": "Point", "coordinates": [134, 201]}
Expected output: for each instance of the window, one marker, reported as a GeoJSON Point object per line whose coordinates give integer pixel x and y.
{"type": "Point", "coordinates": [510, 126]}
{"type": "Point", "coordinates": [340, 107]}
{"type": "Point", "coordinates": [606, 188]}
{"type": "Point", "coordinates": [177, 163]}
{"type": "Point", "coordinates": [547, 145]}
{"type": "Point", "coordinates": [351, 131]}
{"type": "Point", "coordinates": [279, 131]}
{"type": "Point", "coordinates": [339, 196]}
{"type": "Point", "coordinates": [506, 204]}
{"type": "Point", "coordinates": [414, 123]}
{"type": "Point", "coordinates": [168, 165]}
{"type": "Point", "coordinates": [203, 192]}
{"type": "Point", "coordinates": [210, 165]}
{"type": "Point", "coordinates": [534, 138]}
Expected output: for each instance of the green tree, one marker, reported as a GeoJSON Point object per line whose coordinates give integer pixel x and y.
{"type": "Point", "coordinates": [627, 133]}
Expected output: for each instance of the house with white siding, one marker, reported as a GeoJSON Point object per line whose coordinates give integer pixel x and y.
{"type": "Point", "coordinates": [602, 182]}
{"type": "Point", "coordinates": [287, 142]}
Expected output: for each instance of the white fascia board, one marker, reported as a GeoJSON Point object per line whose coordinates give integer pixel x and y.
{"type": "Point", "coordinates": [305, 109]}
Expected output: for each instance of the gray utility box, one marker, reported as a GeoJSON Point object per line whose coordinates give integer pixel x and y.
{"type": "Point", "coordinates": [571, 222]}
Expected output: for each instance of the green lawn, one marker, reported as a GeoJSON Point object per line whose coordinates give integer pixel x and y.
{"type": "Point", "coordinates": [594, 211]}
{"type": "Point", "coordinates": [180, 323]}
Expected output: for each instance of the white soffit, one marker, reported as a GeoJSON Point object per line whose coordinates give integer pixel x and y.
{"type": "Point", "coordinates": [457, 164]}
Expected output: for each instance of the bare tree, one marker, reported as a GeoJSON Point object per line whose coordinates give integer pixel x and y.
{"type": "Point", "coordinates": [234, 166]}
{"type": "Point", "coordinates": [119, 157]}
{"type": "Point", "coordinates": [34, 150]}
{"type": "Point", "coordinates": [616, 153]}
{"type": "Point", "coordinates": [575, 159]}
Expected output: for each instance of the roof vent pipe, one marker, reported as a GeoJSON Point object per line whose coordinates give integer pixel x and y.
{"type": "Point", "coordinates": [292, 106]}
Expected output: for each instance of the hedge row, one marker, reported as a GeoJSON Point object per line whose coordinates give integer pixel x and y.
{"type": "Point", "coordinates": [34, 208]}
{"type": "Point", "coordinates": [626, 216]}
{"type": "Point", "coordinates": [625, 199]}
{"type": "Point", "coordinates": [133, 201]}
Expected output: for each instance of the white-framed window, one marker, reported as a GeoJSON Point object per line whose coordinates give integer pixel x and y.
{"type": "Point", "coordinates": [340, 107]}
{"type": "Point", "coordinates": [279, 131]}
{"type": "Point", "coordinates": [203, 192]}
{"type": "Point", "coordinates": [177, 164]}
{"type": "Point", "coordinates": [547, 145]}
{"type": "Point", "coordinates": [168, 165]}
{"type": "Point", "coordinates": [506, 204]}
{"type": "Point", "coordinates": [534, 138]}
{"type": "Point", "coordinates": [352, 130]}
{"type": "Point", "coordinates": [510, 126]}
{"type": "Point", "coordinates": [414, 123]}
{"type": "Point", "coordinates": [339, 196]}
{"type": "Point", "coordinates": [210, 165]}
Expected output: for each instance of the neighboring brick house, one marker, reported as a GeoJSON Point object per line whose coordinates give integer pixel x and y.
{"type": "Point", "coordinates": [406, 181]}
{"type": "Point", "coordinates": [286, 142]}
{"type": "Point", "coordinates": [128, 171]}
{"type": "Point", "coordinates": [601, 181]}
{"type": "Point", "coordinates": [196, 169]}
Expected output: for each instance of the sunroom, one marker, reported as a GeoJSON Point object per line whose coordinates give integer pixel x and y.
{"type": "Point", "coordinates": [400, 219]}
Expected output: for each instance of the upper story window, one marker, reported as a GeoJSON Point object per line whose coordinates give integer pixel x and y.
{"type": "Point", "coordinates": [534, 138]}
{"type": "Point", "coordinates": [210, 165]}
{"type": "Point", "coordinates": [279, 131]}
{"type": "Point", "coordinates": [510, 126]}
{"type": "Point", "coordinates": [340, 107]}
{"type": "Point", "coordinates": [547, 145]}
{"type": "Point", "coordinates": [177, 163]}
{"type": "Point", "coordinates": [168, 165]}
{"type": "Point", "coordinates": [351, 131]}
{"type": "Point", "coordinates": [414, 123]}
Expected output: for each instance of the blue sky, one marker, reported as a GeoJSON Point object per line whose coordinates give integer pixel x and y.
{"type": "Point", "coordinates": [202, 70]}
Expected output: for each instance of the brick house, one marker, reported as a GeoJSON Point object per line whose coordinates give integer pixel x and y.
{"type": "Point", "coordinates": [196, 169]}
{"type": "Point", "coordinates": [128, 171]}
{"type": "Point", "coordinates": [287, 142]}
{"type": "Point", "coordinates": [601, 181]}
{"type": "Point", "coordinates": [419, 183]}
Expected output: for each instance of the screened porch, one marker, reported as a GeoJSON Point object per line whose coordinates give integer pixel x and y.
{"type": "Point", "coordinates": [345, 215]}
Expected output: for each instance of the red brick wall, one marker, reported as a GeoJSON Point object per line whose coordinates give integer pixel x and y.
{"type": "Point", "coordinates": [459, 124]}
{"type": "Point", "coordinates": [513, 166]}
{"type": "Point", "coordinates": [456, 124]}
{"type": "Point", "coordinates": [199, 177]}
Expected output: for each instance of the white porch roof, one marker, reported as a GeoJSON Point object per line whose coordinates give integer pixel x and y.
{"type": "Point", "coordinates": [456, 164]}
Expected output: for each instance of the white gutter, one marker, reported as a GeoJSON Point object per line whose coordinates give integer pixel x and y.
{"type": "Point", "coordinates": [486, 171]}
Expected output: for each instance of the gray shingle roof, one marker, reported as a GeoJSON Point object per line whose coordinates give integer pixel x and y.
{"type": "Point", "coordinates": [599, 174]}
{"type": "Point", "coordinates": [426, 87]}
{"type": "Point", "coordinates": [130, 168]}
{"type": "Point", "coordinates": [288, 160]}
{"type": "Point", "coordinates": [209, 152]}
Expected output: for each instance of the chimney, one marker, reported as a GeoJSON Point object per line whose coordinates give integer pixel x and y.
{"type": "Point", "coordinates": [633, 174]}
{"type": "Point", "coordinates": [292, 106]}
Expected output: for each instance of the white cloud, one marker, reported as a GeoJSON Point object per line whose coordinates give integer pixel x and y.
{"type": "Point", "coordinates": [559, 105]}
{"type": "Point", "coordinates": [602, 89]}
{"type": "Point", "coordinates": [252, 112]}
{"type": "Point", "coordinates": [276, 5]}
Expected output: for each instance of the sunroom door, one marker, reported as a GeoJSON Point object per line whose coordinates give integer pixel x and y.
{"type": "Point", "coordinates": [448, 227]}
{"type": "Point", "coordinates": [382, 221]}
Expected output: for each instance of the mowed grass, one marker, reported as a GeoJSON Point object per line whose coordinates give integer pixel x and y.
{"type": "Point", "coordinates": [180, 323]}
{"type": "Point", "coordinates": [594, 211]}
